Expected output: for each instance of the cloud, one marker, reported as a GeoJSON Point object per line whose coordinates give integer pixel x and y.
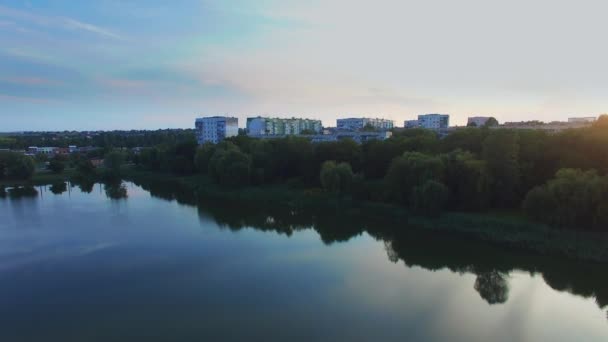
{"type": "Point", "coordinates": [31, 81]}
{"type": "Point", "coordinates": [25, 99]}
{"type": "Point", "coordinates": [55, 22]}
{"type": "Point", "coordinates": [71, 23]}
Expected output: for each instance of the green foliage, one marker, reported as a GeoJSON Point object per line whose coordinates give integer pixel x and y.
{"type": "Point", "coordinates": [492, 122]}
{"type": "Point", "coordinates": [113, 161]}
{"type": "Point", "coordinates": [411, 170]}
{"type": "Point", "coordinates": [468, 181]}
{"type": "Point", "coordinates": [85, 167]}
{"type": "Point", "coordinates": [56, 165]}
{"type": "Point", "coordinates": [501, 153]}
{"type": "Point", "coordinates": [574, 199]}
{"type": "Point", "coordinates": [203, 156]}
{"type": "Point", "coordinates": [468, 139]}
{"type": "Point", "coordinates": [336, 177]}
{"type": "Point", "coordinates": [601, 123]}
{"type": "Point", "coordinates": [230, 167]}
{"type": "Point", "coordinates": [16, 166]}
{"type": "Point", "coordinates": [430, 198]}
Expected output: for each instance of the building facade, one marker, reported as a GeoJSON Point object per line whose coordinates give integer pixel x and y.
{"type": "Point", "coordinates": [589, 119]}
{"type": "Point", "coordinates": [259, 126]}
{"type": "Point", "coordinates": [434, 121]}
{"type": "Point", "coordinates": [215, 129]}
{"type": "Point", "coordinates": [356, 124]}
{"type": "Point", "coordinates": [411, 124]}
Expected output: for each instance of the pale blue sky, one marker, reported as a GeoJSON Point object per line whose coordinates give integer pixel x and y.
{"type": "Point", "coordinates": [153, 64]}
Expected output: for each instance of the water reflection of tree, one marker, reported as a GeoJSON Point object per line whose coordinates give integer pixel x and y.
{"type": "Point", "coordinates": [116, 190]}
{"type": "Point", "coordinates": [416, 247]}
{"type": "Point", "coordinates": [58, 188]}
{"type": "Point", "coordinates": [22, 191]}
{"type": "Point", "coordinates": [493, 287]}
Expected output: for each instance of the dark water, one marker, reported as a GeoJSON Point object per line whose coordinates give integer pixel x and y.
{"type": "Point", "coordinates": [99, 266]}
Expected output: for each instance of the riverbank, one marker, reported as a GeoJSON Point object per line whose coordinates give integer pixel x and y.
{"type": "Point", "coordinates": [505, 230]}
{"type": "Point", "coordinates": [42, 178]}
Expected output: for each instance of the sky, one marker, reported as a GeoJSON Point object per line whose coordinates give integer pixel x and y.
{"type": "Point", "coordinates": [148, 64]}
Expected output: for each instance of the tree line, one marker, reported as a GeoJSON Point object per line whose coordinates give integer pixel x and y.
{"type": "Point", "coordinates": [472, 169]}
{"type": "Point", "coordinates": [104, 140]}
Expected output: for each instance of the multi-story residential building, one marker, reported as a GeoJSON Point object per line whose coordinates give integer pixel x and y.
{"type": "Point", "coordinates": [477, 121]}
{"type": "Point", "coordinates": [215, 128]}
{"type": "Point", "coordinates": [411, 124]}
{"type": "Point", "coordinates": [277, 126]}
{"type": "Point", "coordinates": [356, 124]}
{"type": "Point", "coordinates": [434, 121]}
{"type": "Point", "coordinates": [582, 120]}
{"type": "Point", "coordinates": [551, 127]}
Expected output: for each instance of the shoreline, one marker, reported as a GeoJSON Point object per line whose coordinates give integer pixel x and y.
{"type": "Point", "coordinates": [504, 230]}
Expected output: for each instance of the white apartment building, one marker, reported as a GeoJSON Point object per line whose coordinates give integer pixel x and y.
{"type": "Point", "coordinates": [259, 126]}
{"type": "Point", "coordinates": [356, 124]}
{"type": "Point", "coordinates": [215, 129]}
{"type": "Point", "coordinates": [434, 121]}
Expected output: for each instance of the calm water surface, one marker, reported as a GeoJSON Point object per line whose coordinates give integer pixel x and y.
{"type": "Point", "coordinates": [80, 266]}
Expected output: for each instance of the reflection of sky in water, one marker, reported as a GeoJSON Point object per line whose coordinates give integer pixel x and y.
{"type": "Point", "coordinates": [86, 266]}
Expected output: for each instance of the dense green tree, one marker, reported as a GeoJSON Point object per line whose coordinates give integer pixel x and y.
{"type": "Point", "coordinates": [113, 161]}
{"type": "Point", "coordinates": [203, 156]}
{"type": "Point", "coordinates": [467, 139]}
{"type": "Point", "coordinates": [501, 153]}
{"type": "Point", "coordinates": [336, 177]}
{"type": "Point", "coordinates": [56, 165]}
{"type": "Point", "coordinates": [429, 198]}
{"type": "Point", "coordinates": [85, 167]}
{"type": "Point", "coordinates": [468, 181]}
{"type": "Point", "coordinates": [491, 122]}
{"type": "Point", "coordinates": [410, 170]}
{"type": "Point", "coordinates": [574, 199]}
{"type": "Point", "coordinates": [230, 167]}
{"type": "Point", "coordinates": [16, 166]}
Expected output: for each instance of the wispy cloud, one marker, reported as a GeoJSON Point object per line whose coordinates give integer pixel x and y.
{"type": "Point", "coordinates": [71, 23]}
{"type": "Point", "coordinates": [31, 81]}
{"type": "Point", "coordinates": [56, 22]}
{"type": "Point", "coordinates": [25, 99]}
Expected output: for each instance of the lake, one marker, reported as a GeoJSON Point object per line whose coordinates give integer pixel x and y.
{"type": "Point", "coordinates": [152, 263]}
